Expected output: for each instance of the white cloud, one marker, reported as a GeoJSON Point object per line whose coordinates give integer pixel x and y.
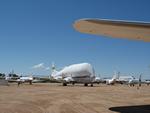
{"type": "Point", "coordinates": [47, 68]}
{"type": "Point", "coordinates": [41, 66]}
{"type": "Point", "coordinates": [38, 66]}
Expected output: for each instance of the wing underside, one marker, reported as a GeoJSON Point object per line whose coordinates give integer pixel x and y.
{"type": "Point", "coordinates": [117, 29]}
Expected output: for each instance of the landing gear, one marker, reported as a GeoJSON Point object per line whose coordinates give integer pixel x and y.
{"type": "Point", "coordinates": [85, 84]}
{"type": "Point", "coordinates": [91, 85]}
{"type": "Point", "coordinates": [30, 82]}
{"type": "Point", "coordinates": [132, 85]}
{"type": "Point", "coordinates": [64, 84]}
{"type": "Point", "coordinates": [73, 83]}
{"type": "Point", "coordinates": [19, 82]}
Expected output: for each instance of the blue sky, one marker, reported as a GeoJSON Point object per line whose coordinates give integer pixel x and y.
{"type": "Point", "coordinates": [36, 32]}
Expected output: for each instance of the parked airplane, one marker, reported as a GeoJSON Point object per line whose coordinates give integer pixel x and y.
{"type": "Point", "coordinates": [147, 82]}
{"type": "Point", "coordinates": [25, 79]}
{"type": "Point", "coordinates": [97, 80]}
{"type": "Point", "coordinates": [134, 81]}
{"type": "Point", "coordinates": [11, 78]}
{"type": "Point", "coordinates": [129, 80]}
{"type": "Point", "coordinates": [7, 78]}
{"type": "Point", "coordinates": [76, 73]}
{"type": "Point", "coordinates": [19, 79]}
{"type": "Point", "coordinates": [115, 28]}
{"type": "Point", "coordinates": [124, 79]}
{"type": "Point", "coordinates": [113, 80]}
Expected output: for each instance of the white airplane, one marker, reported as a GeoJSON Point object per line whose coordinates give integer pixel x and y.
{"type": "Point", "coordinates": [76, 73]}
{"type": "Point", "coordinates": [25, 79]}
{"type": "Point", "coordinates": [97, 80]}
{"type": "Point", "coordinates": [147, 82]}
{"type": "Point", "coordinates": [7, 78]}
{"type": "Point", "coordinates": [11, 78]}
{"type": "Point", "coordinates": [113, 80]}
{"type": "Point", "coordinates": [124, 79]}
{"type": "Point", "coordinates": [134, 81]}
{"type": "Point", "coordinates": [115, 28]}
{"type": "Point", "coordinates": [19, 79]}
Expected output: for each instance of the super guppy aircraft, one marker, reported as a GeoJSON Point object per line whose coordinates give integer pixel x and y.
{"type": "Point", "coordinates": [115, 28]}
{"type": "Point", "coordinates": [76, 73]}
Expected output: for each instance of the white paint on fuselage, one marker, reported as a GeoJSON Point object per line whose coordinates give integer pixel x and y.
{"type": "Point", "coordinates": [82, 73]}
{"type": "Point", "coordinates": [24, 79]}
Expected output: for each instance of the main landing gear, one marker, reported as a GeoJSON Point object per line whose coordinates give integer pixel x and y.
{"type": "Point", "coordinates": [86, 84]}
{"type": "Point", "coordinates": [64, 84]}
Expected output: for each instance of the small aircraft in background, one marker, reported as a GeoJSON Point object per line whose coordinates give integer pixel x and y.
{"type": "Point", "coordinates": [134, 81]}
{"type": "Point", "coordinates": [129, 80]}
{"type": "Point", "coordinates": [25, 79]}
{"type": "Point", "coordinates": [76, 73]}
{"type": "Point", "coordinates": [147, 82]}
{"type": "Point", "coordinates": [113, 80]}
{"type": "Point", "coordinates": [115, 28]}
{"type": "Point", "coordinates": [18, 79]}
{"type": "Point", "coordinates": [98, 80]}
{"type": "Point", "coordinates": [124, 79]}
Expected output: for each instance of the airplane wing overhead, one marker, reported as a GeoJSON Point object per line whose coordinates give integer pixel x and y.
{"type": "Point", "coordinates": [114, 28]}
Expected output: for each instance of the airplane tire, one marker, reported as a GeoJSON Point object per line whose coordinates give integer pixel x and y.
{"type": "Point", "coordinates": [91, 85]}
{"type": "Point", "coordinates": [30, 82]}
{"type": "Point", "coordinates": [64, 84]}
{"type": "Point", "coordinates": [73, 83]}
{"type": "Point", "coordinates": [85, 84]}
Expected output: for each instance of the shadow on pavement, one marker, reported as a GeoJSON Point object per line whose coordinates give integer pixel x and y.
{"type": "Point", "coordinates": [131, 109]}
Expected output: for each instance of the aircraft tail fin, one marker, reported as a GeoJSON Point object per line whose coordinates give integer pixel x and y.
{"type": "Point", "coordinates": [140, 77]}
{"type": "Point", "coordinates": [116, 75]}
{"type": "Point", "coordinates": [53, 70]}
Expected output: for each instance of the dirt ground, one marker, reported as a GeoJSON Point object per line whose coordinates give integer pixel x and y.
{"type": "Point", "coordinates": [54, 98]}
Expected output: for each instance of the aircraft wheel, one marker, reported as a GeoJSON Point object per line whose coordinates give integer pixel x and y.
{"type": "Point", "coordinates": [30, 82]}
{"type": "Point", "coordinates": [91, 85]}
{"type": "Point", "coordinates": [73, 83]}
{"type": "Point", "coordinates": [64, 84]}
{"type": "Point", "coordinates": [85, 84]}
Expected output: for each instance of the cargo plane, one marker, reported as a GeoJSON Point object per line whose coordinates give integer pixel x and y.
{"type": "Point", "coordinates": [76, 73]}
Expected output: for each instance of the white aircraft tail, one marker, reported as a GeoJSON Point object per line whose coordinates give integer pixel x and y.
{"type": "Point", "coordinates": [53, 70]}
{"type": "Point", "coordinates": [116, 75]}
